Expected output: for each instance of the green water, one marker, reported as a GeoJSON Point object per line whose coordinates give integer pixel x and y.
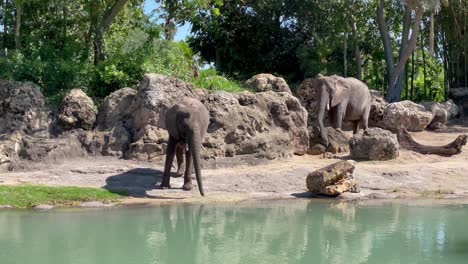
{"type": "Point", "coordinates": [294, 231]}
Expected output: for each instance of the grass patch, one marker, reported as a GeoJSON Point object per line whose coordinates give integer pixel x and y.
{"type": "Point", "coordinates": [210, 80]}
{"type": "Point", "coordinates": [27, 196]}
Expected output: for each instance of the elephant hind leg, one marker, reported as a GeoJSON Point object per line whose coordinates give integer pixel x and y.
{"type": "Point", "coordinates": [365, 119]}
{"type": "Point", "coordinates": [356, 126]}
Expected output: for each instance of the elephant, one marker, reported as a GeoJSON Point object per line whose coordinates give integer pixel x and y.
{"type": "Point", "coordinates": [347, 99]}
{"type": "Point", "coordinates": [187, 122]}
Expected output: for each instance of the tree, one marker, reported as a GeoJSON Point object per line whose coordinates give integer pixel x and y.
{"type": "Point", "coordinates": [101, 20]}
{"type": "Point", "coordinates": [407, 46]}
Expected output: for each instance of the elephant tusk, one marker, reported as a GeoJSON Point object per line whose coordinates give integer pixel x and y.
{"type": "Point", "coordinates": [328, 106]}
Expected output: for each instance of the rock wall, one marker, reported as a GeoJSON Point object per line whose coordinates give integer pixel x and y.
{"type": "Point", "coordinates": [245, 127]}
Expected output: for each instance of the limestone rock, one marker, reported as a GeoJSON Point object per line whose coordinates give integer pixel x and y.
{"type": "Point", "coordinates": [21, 108]}
{"type": "Point", "coordinates": [374, 144]}
{"type": "Point", "coordinates": [442, 113]}
{"type": "Point", "coordinates": [452, 109]}
{"type": "Point", "coordinates": [377, 111]}
{"type": "Point", "coordinates": [267, 82]}
{"type": "Point", "coordinates": [10, 146]}
{"type": "Point", "coordinates": [115, 109]}
{"type": "Point", "coordinates": [333, 179]}
{"type": "Point", "coordinates": [407, 114]}
{"type": "Point", "coordinates": [308, 94]}
{"type": "Point", "coordinates": [338, 141]}
{"type": "Point", "coordinates": [51, 149]}
{"type": "Point", "coordinates": [77, 111]}
{"type": "Point", "coordinates": [265, 125]}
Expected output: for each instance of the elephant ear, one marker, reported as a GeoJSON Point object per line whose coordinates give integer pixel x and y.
{"type": "Point", "coordinates": [340, 90]}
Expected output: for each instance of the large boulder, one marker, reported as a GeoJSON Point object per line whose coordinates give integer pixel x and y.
{"type": "Point", "coordinates": [21, 108]}
{"type": "Point", "coordinates": [116, 108]}
{"type": "Point", "coordinates": [407, 114]}
{"type": "Point", "coordinates": [374, 144]}
{"type": "Point", "coordinates": [10, 146]}
{"type": "Point", "coordinates": [309, 96]}
{"type": "Point", "coordinates": [267, 82]}
{"type": "Point", "coordinates": [452, 109]}
{"type": "Point", "coordinates": [332, 180]}
{"type": "Point", "coordinates": [263, 125]}
{"type": "Point", "coordinates": [442, 113]}
{"type": "Point", "coordinates": [377, 111]}
{"type": "Point", "coordinates": [338, 141]}
{"type": "Point", "coordinates": [77, 111]}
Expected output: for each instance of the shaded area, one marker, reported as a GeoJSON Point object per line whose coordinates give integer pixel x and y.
{"type": "Point", "coordinates": [134, 182]}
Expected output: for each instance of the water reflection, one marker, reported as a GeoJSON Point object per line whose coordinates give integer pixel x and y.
{"type": "Point", "coordinates": [279, 232]}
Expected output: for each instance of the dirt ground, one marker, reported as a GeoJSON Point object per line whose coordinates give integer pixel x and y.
{"type": "Point", "coordinates": [412, 175]}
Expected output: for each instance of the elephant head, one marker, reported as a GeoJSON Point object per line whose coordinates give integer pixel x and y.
{"type": "Point", "coordinates": [334, 90]}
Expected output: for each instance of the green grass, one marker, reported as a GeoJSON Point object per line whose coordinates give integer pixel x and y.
{"type": "Point", "coordinates": [210, 80]}
{"type": "Point", "coordinates": [27, 196]}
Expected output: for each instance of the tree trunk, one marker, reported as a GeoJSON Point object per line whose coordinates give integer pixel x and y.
{"type": "Point", "coordinates": [357, 52]}
{"type": "Point", "coordinates": [19, 12]}
{"type": "Point", "coordinates": [392, 94]}
{"type": "Point", "coordinates": [5, 29]}
{"type": "Point", "coordinates": [345, 53]}
{"type": "Point", "coordinates": [386, 40]}
{"type": "Point", "coordinates": [412, 76]}
{"type": "Point", "coordinates": [431, 36]}
{"type": "Point", "coordinates": [455, 147]}
{"type": "Point", "coordinates": [424, 67]}
{"type": "Point", "coordinates": [101, 26]}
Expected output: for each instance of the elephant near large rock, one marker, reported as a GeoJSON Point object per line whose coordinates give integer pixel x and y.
{"type": "Point", "coordinates": [347, 99]}
{"type": "Point", "coordinates": [187, 123]}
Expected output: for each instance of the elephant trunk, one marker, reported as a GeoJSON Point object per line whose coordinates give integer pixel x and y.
{"type": "Point", "coordinates": [324, 100]}
{"type": "Point", "coordinates": [195, 145]}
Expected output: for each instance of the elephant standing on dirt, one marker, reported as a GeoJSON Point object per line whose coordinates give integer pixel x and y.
{"type": "Point", "coordinates": [347, 99]}
{"type": "Point", "coordinates": [186, 122]}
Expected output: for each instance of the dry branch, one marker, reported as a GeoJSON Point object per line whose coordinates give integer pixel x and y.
{"type": "Point", "coordinates": [455, 147]}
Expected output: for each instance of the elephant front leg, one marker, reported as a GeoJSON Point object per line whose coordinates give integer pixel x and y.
{"type": "Point", "coordinates": [339, 116]}
{"type": "Point", "coordinates": [188, 172]}
{"type": "Point", "coordinates": [171, 147]}
{"type": "Point", "coordinates": [180, 150]}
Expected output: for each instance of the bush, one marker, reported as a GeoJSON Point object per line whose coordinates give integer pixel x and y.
{"type": "Point", "coordinates": [209, 80]}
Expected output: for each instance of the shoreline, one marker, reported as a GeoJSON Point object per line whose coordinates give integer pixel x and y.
{"type": "Point", "coordinates": [411, 176]}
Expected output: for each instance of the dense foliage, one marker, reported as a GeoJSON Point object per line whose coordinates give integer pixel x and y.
{"type": "Point", "coordinates": [104, 45]}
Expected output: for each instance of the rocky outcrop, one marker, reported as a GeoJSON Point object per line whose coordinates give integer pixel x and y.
{"type": "Point", "coordinates": [332, 180]}
{"type": "Point", "coordinates": [77, 111]}
{"type": "Point", "coordinates": [10, 146]}
{"type": "Point", "coordinates": [442, 112]}
{"type": "Point", "coordinates": [263, 125]}
{"type": "Point", "coordinates": [131, 124]}
{"type": "Point", "coordinates": [267, 82]}
{"type": "Point", "coordinates": [407, 114]}
{"type": "Point", "coordinates": [309, 96]}
{"type": "Point", "coordinates": [377, 111]}
{"type": "Point", "coordinates": [338, 141]}
{"type": "Point", "coordinates": [21, 108]}
{"type": "Point", "coordinates": [374, 144]}
{"type": "Point", "coordinates": [116, 108]}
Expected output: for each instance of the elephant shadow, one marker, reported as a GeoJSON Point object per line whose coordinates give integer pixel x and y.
{"type": "Point", "coordinates": [135, 182]}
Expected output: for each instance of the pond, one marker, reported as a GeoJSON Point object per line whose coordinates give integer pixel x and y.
{"type": "Point", "coordinates": [284, 231]}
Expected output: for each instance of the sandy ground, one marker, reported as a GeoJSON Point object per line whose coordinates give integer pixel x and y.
{"type": "Point", "coordinates": [412, 175]}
